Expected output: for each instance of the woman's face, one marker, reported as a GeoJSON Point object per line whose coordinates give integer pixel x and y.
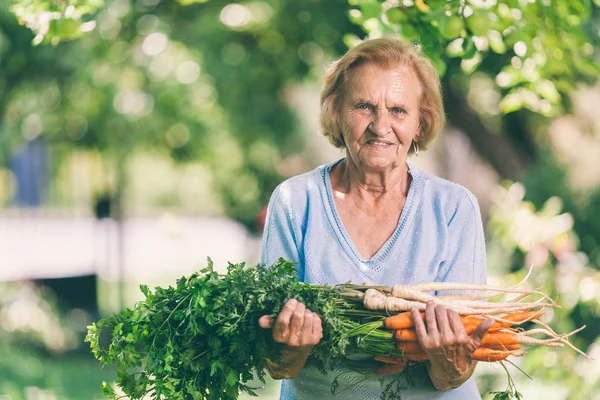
{"type": "Point", "coordinates": [380, 116]}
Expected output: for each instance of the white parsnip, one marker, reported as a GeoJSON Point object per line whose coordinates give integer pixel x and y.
{"type": "Point", "coordinates": [565, 341]}
{"type": "Point", "coordinates": [469, 296]}
{"type": "Point", "coordinates": [495, 304]}
{"type": "Point", "coordinates": [447, 286]}
{"type": "Point", "coordinates": [408, 293]}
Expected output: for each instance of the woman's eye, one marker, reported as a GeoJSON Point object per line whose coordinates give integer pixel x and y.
{"type": "Point", "coordinates": [363, 107]}
{"type": "Point", "coordinates": [398, 110]}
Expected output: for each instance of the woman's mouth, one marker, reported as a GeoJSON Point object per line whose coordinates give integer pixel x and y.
{"type": "Point", "coordinates": [378, 143]}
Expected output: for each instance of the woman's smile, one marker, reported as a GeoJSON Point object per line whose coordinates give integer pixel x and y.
{"type": "Point", "coordinates": [379, 143]}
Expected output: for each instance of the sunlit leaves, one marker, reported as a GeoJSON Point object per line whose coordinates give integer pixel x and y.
{"type": "Point", "coordinates": [153, 74]}
{"type": "Point", "coordinates": [451, 27]}
{"type": "Point", "coordinates": [526, 40]}
{"type": "Point", "coordinates": [53, 21]}
{"type": "Point", "coordinates": [190, 2]}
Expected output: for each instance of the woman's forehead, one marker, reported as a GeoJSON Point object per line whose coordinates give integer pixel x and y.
{"type": "Point", "coordinates": [374, 80]}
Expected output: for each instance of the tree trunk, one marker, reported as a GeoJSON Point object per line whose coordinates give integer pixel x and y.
{"type": "Point", "coordinates": [119, 216]}
{"type": "Point", "coordinates": [505, 153]}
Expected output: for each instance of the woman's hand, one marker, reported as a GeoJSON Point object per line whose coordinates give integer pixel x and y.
{"type": "Point", "coordinates": [295, 326]}
{"type": "Point", "coordinates": [447, 345]}
{"type": "Point", "coordinates": [299, 329]}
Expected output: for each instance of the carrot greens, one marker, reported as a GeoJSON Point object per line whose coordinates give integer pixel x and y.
{"type": "Point", "coordinates": [201, 340]}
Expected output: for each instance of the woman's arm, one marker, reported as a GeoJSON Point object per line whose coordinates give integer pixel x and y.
{"type": "Point", "coordinates": [449, 347]}
{"type": "Point", "coordinates": [442, 382]}
{"type": "Point", "coordinates": [282, 236]}
{"type": "Point", "coordinates": [296, 327]}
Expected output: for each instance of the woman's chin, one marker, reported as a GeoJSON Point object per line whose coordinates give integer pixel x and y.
{"type": "Point", "coordinates": [377, 163]}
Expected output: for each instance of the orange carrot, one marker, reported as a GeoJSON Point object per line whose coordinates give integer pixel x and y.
{"type": "Point", "coordinates": [504, 338]}
{"type": "Point", "coordinates": [417, 356]}
{"type": "Point", "coordinates": [523, 316]}
{"type": "Point", "coordinates": [404, 320]}
{"type": "Point", "coordinates": [406, 335]}
{"type": "Point", "coordinates": [400, 321]}
{"type": "Point", "coordinates": [481, 354]}
{"type": "Point", "coordinates": [502, 346]}
{"type": "Point", "coordinates": [391, 360]}
{"type": "Point", "coordinates": [495, 340]}
{"type": "Point", "coordinates": [489, 355]}
{"type": "Point", "coordinates": [470, 328]}
{"type": "Point", "coordinates": [409, 347]}
{"type": "Point", "coordinates": [410, 335]}
{"type": "Point", "coordinates": [472, 322]}
{"type": "Point", "coordinates": [388, 369]}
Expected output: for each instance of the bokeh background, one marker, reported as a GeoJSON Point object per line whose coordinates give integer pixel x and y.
{"type": "Point", "coordinates": [138, 137]}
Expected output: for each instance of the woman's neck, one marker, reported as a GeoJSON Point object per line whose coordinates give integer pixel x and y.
{"type": "Point", "coordinates": [381, 184]}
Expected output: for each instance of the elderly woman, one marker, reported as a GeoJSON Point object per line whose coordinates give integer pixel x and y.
{"type": "Point", "coordinates": [374, 216]}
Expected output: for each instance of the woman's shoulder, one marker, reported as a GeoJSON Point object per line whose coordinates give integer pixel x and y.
{"type": "Point", "coordinates": [310, 183]}
{"type": "Point", "coordinates": [302, 187]}
{"type": "Point", "coordinates": [444, 192]}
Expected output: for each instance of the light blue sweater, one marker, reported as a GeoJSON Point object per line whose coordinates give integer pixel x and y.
{"type": "Point", "coordinates": [439, 238]}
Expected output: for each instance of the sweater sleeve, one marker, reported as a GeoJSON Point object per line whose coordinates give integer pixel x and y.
{"type": "Point", "coordinates": [280, 237]}
{"type": "Point", "coordinates": [465, 260]}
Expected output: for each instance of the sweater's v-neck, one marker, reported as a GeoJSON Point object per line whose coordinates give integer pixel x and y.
{"type": "Point", "coordinates": [402, 226]}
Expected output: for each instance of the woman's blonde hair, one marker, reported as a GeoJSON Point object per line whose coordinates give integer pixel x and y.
{"type": "Point", "coordinates": [386, 53]}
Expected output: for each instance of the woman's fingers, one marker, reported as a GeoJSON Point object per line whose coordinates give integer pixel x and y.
{"type": "Point", "coordinates": [441, 317]}
{"type": "Point", "coordinates": [265, 322]}
{"type": "Point", "coordinates": [443, 328]}
{"type": "Point", "coordinates": [302, 336]}
{"type": "Point", "coordinates": [430, 319]}
{"type": "Point", "coordinates": [317, 329]}
{"type": "Point", "coordinates": [281, 329]}
{"type": "Point", "coordinates": [481, 330]}
{"type": "Point", "coordinates": [456, 323]}
{"type": "Point", "coordinates": [295, 326]}
{"type": "Point", "coordinates": [419, 325]}
{"type": "Point", "coordinates": [444, 340]}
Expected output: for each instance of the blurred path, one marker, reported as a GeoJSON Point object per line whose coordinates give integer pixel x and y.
{"type": "Point", "coordinates": [38, 244]}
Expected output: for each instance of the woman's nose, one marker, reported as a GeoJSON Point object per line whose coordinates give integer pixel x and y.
{"type": "Point", "coordinates": [380, 125]}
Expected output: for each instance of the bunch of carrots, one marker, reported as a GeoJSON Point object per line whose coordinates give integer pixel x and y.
{"type": "Point", "coordinates": [474, 304]}
{"type": "Point", "coordinates": [500, 341]}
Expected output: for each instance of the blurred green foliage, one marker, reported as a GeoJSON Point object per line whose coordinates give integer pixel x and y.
{"type": "Point", "coordinates": [205, 81]}
{"type": "Point", "coordinates": [41, 348]}
{"type": "Point", "coordinates": [536, 51]}
{"type": "Point", "coordinates": [56, 20]}
{"type": "Point", "coordinates": [28, 374]}
{"type": "Point", "coordinates": [544, 235]}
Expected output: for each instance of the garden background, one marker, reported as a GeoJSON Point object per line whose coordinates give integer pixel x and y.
{"type": "Point", "coordinates": [138, 137]}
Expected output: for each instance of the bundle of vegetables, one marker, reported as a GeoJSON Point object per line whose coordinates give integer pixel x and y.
{"type": "Point", "coordinates": [201, 338]}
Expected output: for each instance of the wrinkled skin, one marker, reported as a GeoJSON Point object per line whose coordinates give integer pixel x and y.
{"type": "Point", "coordinates": [299, 329]}
{"type": "Point", "coordinates": [449, 348]}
